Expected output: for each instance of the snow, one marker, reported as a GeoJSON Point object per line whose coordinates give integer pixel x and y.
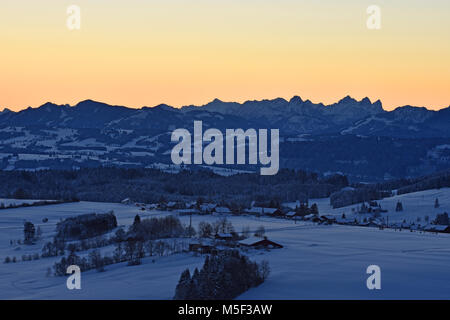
{"type": "Point", "coordinates": [415, 205]}
{"type": "Point", "coordinates": [316, 261]}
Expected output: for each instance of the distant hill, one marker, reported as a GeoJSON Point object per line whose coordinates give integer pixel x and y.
{"type": "Point", "coordinates": [358, 138]}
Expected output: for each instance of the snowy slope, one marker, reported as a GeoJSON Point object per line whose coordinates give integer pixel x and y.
{"type": "Point", "coordinates": [317, 262]}
{"type": "Point", "coordinates": [415, 205]}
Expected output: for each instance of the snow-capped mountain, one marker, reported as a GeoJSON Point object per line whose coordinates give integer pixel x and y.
{"type": "Point", "coordinates": [355, 137]}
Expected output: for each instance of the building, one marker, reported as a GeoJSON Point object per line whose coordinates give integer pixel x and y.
{"type": "Point", "coordinates": [202, 248]}
{"type": "Point", "coordinates": [224, 236]}
{"type": "Point", "coordinates": [437, 228]}
{"type": "Point", "coordinates": [126, 201]}
{"type": "Point", "coordinates": [259, 243]}
{"type": "Point", "coordinates": [328, 219]}
{"type": "Point", "coordinates": [207, 207]}
{"type": "Point", "coordinates": [264, 211]}
{"type": "Point", "coordinates": [291, 214]}
{"type": "Point", "coordinates": [223, 210]}
{"type": "Point", "coordinates": [187, 212]}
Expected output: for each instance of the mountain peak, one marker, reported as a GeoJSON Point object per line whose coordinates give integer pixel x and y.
{"type": "Point", "coordinates": [163, 106]}
{"type": "Point", "coordinates": [5, 111]}
{"type": "Point", "coordinates": [296, 100]}
{"type": "Point", "coordinates": [366, 101]}
{"type": "Point", "coordinates": [89, 102]}
{"type": "Point", "coordinates": [347, 99]}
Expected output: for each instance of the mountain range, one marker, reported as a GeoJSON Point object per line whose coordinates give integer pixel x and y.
{"type": "Point", "coordinates": [358, 138]}
{"type": "Point", "coordinates": [296, 116]}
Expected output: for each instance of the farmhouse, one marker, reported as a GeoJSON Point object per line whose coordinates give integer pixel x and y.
{"type": "Point", "coordinates": [264, 211]}
{"type": "Point", "coordinates": [328, 219]}
{"type": "Point", "coordinates": [202, 248]}
{"type": "Point", "coordinates": [126, 201]}
{"type": "Point", "coordinates": [224, 236]}
{"type": "Point", "coordinates": [259, 243]}
{"type": "Point", "coordinates": [437, 228]}
{"type": "Point", "coordinates": [222, 210]}
{"type": "Point", "coordinates": [187, 212]}
{"type": "Point", "coordinates": [207, 207]}
{"type": "Point", "coordinates": [290, 214]}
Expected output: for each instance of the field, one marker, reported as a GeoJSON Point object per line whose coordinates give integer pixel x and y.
{"type": "Point", "coordinates": [317, 261]}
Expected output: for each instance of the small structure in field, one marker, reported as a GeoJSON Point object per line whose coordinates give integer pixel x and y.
{"type": "Point", "coordinates": [187, 212]}
{"type": "Point", "coordinates": [207, 208]}
{"type": "Point", "coordinates": [264, 211]}
{"type": "Point", "coordinates": [202, 248]}
{"type": "Point", "coordinates": [222, 210]}
{"type": "Point", "coordinates": [126, 201]}
{"type": "Point", "coordinates": [224, 236]}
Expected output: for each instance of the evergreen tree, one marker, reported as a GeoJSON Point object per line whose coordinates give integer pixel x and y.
{"type": "Point", "coordinates": [436, 203]}
{"type": "Point", "coordinates": [183, 286]}
{"type": "Point", "coordinates": [314, 209]}
{"type": "Point", "coordinates": [399, 207]}
{"type": "Point", "coordinates": [28, 232]}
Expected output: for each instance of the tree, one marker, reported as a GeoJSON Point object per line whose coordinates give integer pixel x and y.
{"type": "Point", "coordinates": [38, 232]}
{"type": "Point", "coordinates": [20, 194]}
{"type": "Point", "coordinates": [442, 219]}
{"type": "Point", "coordinates": [120, 235]}
{"type": "Point", "coordinates": [260, 232]}
{"type": "Point", "coordinates": [137, 220]}
{"type": "Point", "coordinates": [223, 276]}
{"type": "Point", "coordinates": [399, 207]}
{"type": "Point", "coordinates": [183, 286]}
{"type": "Point", "coordinates": [264, 269]}
{"type": "Point", "coordinates": [29, 232]}
{"type": "Point", "coordinates": [96, 260]}
{"type": "Point", "coordinates": [245, 231]}
{"type": "Point", "coordinates": [314, 209]}
{"type": "Point", "coordinates": [436, 203]}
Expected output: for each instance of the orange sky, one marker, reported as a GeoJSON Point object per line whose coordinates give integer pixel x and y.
{"type": "Point", "coordinates": [142, 53]}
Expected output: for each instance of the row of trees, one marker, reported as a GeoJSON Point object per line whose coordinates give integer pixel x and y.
{"type": "Point", "coordinates": [151, 185]}
{"type": "Point", "coordinates": [223, 276]}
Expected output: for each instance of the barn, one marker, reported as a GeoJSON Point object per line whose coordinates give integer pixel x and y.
{"type": "Point", "coordinates": [438, 228]}
{"type": "Point", "coordinates": [260, 243]}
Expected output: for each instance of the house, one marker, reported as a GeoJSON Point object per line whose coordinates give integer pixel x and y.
{"type": "Point", "coordinates": [171, 205]}
{"type": "Point", "coordinates": [400, 225]}
{"type": "Point", "coordinates": [437, 228]}
{"type": "Point", "coordinates": [309, 217]}
{"type": "Point", "coordinates": [224, 236]}
{"type": "Point", "coordinates": [190, 205]}
{"type": "Point", "coordinates": [264, 211]}
{"type": "Point", "coordinates": [260, 243]}
{"type": "Point", "coordinates": [207, 207]}
{"type": "Point", "coordinates": [328, 219]}
{"type": "Point", "coordinates": [345, 221]}
{"type": "Point", "coordinates": [126, 201]}
{"type": "Point", "coordinates": [223, 210]}
{"type": "Point", "coordinates": [187, 212]}
{"type": "Point", "coordinates": [291, 214]}
{"type": "Point", "coordinates": [202, 248]}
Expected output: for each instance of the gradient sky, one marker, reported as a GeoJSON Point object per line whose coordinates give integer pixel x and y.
{"type": "Point", "coordinates": [180, 52]}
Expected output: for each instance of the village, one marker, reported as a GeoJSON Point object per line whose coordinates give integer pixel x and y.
{"type": "Point", "coordinates": [364, 215]}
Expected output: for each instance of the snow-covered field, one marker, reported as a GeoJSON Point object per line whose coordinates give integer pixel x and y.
{"type": "Point", "coordinates": [415, 205]}
{"type": "Point", "coordinates": [317, 261]}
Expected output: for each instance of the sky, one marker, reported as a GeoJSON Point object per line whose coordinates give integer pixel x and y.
{"type": "Point", "coordinates": [182, 52]}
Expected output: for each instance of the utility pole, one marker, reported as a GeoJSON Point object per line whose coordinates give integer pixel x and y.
{"type": "Point", "coordinates": [190, 225]}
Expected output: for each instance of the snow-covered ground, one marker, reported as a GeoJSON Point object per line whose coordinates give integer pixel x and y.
{"type": "Point", "coordinates": [415, 205]}
{"type": "Point", "coordinates": [17, 202]}
{"type": "Point", "coordinates": [317, 261]}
